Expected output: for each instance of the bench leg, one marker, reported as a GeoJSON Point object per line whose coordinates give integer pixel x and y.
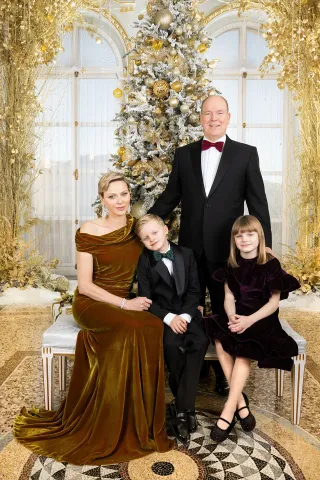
{"type": "Point", "coordinates": [279, 382]}
{"type": "Point", "coordinates": [47, 365]}
{"type": "Point", "coordinates": [62, 372]}
{"type": "Point", "coordinates": [297, 375]}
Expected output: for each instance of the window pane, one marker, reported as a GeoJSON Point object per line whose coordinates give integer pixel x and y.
{"type": "Point", "coordinates": [226, 48]}
{"type": "Point", "coordinates": [276, 228]}
{"type": "Point", "coordinates": [230, 90]}
{"type": "Point", "coordinates": [94, 54]}
{"type": "Point", "coordinates": [96, 102]}
{"type": "Point", "coordinates": [55, 99]}
{"type": "Point", "coordinates": [256, 49]}
{"type": "Point", "coordinates": [274, 192]}
{"type": "Point", "coordinates": [64, 57]}
{"type": "Point", "coordinates": [96, 145]}
{"type": "Point", "coordinates": [269, 142]}
{"type": "Point", "coordinates": [264, 102]}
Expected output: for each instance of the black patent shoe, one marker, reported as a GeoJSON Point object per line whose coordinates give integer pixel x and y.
{"type": "Point", "coordinates": [249, 422]}
{"type": "Point", "coordinates": [219, 435]}
{"type": "Point", "coordinates": [179, 424]}
{"type": "Point", "coordinates": [192, 421]}
{"type": "Point", "coordinates": [222, 387]}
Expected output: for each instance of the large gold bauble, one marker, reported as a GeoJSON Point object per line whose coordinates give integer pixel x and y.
{"type": "Point", "coordinates": [138, 62]}
{"type": "Point", "coordinates": [163, 18]}
{"type": "Point", "coordinates": [184, 108]}
{"type": "Point", "coordinates": [149, 82]}
{"type": "Point", "coordinates": [202, 48]}
{"type": "Point", "coordinates": [178, 31]}
{"type": "Point", "coordinates": [138, 209]}
{"type": "Point", "coordinates": [117, 93]}
{"type": "Point", "coordinates": [161, 88]}
{"type": "Point", "coordinates": [173, 102]}
{"type": "Point", "coordinates": [157, 45]}
{"type": "Point", "coordinates": [193, 119]}
{"type": "Point", "coordinates": [132, 163]}
{"type": "Point", "coordinates": [121, 151]}
{"type": "Point", "coordinates": [177, 86]}
{"type": "Point", "coordinates": [189, 89]}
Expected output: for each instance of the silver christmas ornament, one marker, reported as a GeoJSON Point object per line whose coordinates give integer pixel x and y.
{"type": "Point", "coordinates": [184, 108]}
{"type": "Point", "coordinates": [178, 31]}
{"type": "Point", "coordinates": [193, 119]}
{"type": "Point", "coordinates": [173, 102]}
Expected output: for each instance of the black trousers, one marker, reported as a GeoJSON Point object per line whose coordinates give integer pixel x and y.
{"type": "Point", "coordinates": [184, 354]}
{"type": "Point", "coordinates": [216, 292]}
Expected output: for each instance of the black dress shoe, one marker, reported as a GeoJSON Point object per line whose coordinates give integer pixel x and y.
{"type": "Point", "coordinates": [222, 387]}
{"type": "Point", "coordinates": [249, 422]}
{"type": "Point", "coordinates": [179, 424]}
{"type": "Point", "coordinates": [218, 434]}
{"type": "Point", "coordinates": [192, 421]}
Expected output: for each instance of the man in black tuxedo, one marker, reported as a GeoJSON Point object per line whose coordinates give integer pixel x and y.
{"type": "Point", "coordinates": [212, 178]}
{"type": "Point", "coordinates": [167, 275]}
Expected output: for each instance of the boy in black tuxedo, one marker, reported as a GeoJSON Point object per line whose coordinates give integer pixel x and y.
{"type": "Point", "coordinates": [167, 274]}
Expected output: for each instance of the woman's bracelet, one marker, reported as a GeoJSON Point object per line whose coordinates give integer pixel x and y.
{"type": "Point", "coordinates": [122, 303]}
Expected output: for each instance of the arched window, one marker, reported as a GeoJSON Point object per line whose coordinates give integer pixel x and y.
{"type": "Point", "coordinates": [76, 138]}
{"type": "Point", "coordinates": [258, 108]}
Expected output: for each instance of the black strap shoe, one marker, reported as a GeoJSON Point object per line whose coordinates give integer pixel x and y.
{"type": "Point", "coordinates": [218, 434]}
{"type": "Point", "coordinates": [249, 422]}
{"type": "Point", "coordinates": [179, 424]}
{"type": "Point", "coordinates": [192, 421]}
{"type": "Point", "coordinates": [222, 387]}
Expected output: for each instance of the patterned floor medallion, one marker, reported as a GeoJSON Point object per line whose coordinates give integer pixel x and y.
{"type": "Point", "coordinates": [250, 456]}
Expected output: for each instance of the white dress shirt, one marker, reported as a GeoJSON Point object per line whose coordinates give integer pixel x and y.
{"type": "Point", "coordinates": [210, 160]}
{"type": "Point", "coordinates": [167, 319]}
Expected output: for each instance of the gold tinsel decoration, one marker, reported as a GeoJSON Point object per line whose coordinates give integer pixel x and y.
{"type": "Point", "coordinates": [293, 35]}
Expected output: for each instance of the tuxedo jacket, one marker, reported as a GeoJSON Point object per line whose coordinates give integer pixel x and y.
{"type": "Point", "coordinates": [206, 221]}
{"type": "Point", "coordinates": [177, 293]}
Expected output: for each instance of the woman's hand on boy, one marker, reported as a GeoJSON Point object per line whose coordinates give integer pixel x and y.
{"type": "Point", "coordinates": [138, 304]}
{"type": "Point", "coordinates": [239, 323]}
{"type": "Point", "coordinates": [178, 325]}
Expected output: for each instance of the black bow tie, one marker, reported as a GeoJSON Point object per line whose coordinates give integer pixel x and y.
{"type": "Point", "coordinates": [159, 256]}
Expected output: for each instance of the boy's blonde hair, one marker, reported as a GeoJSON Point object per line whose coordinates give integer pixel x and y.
{"type": "Point", "coordinates": [109, 177]}
{"type": "Point", "coordinates": [146, 219]}
{"type": "Point", "coordinates": [247, 223]}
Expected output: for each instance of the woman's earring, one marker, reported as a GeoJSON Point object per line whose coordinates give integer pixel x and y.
{"type": "Point", "coordinates": [104, 211]}
{"type": "Point", "coordinates": [129, 208]}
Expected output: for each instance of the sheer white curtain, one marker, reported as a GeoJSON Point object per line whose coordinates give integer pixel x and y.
{"type": "Point", "coordinates": [257, 109]}
{"type": "Point", "coordinates": [76, 138]}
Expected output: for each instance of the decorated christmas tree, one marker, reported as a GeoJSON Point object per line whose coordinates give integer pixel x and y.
{"type": "Point", "coordinates": [162, 96]}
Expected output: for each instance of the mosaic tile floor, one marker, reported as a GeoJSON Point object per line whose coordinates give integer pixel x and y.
{"type": "Point", "coordinates": [275, 450]}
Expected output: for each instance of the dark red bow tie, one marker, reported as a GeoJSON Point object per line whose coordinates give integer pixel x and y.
{"type": "Point", "coordinates": [206, 145]}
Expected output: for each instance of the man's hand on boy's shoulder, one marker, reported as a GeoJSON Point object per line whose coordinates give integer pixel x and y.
{"type": "Point", "coordinates": [178, 324]}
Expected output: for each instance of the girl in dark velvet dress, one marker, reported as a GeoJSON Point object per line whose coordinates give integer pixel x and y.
{"type": "Point", "coordinates": [250, 328]}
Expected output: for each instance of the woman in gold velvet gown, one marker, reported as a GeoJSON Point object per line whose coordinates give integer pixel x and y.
{"type": "Point", "coordinates": [115, 406]}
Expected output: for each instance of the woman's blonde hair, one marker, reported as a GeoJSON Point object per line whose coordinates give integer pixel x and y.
{"type": "Point", "coordinates": [247, 223]}
{"type": "Point", "coordinates": [108, 178]}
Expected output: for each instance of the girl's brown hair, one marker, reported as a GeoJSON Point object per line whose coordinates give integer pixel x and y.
{"type": "Point", "coordinates": [247, 223]}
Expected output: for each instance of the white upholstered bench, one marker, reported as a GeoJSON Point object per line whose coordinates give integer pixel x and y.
{"type": "Point", "coordinates": [60, 340]}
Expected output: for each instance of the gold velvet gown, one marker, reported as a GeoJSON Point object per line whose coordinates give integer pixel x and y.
{"type": "Point", "coordinates": [115, 407]}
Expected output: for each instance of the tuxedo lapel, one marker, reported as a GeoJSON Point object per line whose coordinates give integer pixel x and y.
{"type": "Point", "coordinates": [224, 164]}
{"type": "Point", "coordinates": [178, 269]}
{"type": "Point", "coordinates": [195, 152]}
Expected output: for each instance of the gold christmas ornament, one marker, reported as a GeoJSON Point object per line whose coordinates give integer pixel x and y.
{"type": "Point", "coordinates": [193, 119]}
{"type": "Point", "coordinates": [211, 92]}
{"type": "Point", "coordinates": [213, 63]}
{"type": "Point", "coordinates": [177, 86]}
{"type": "Point", "coordinates": [173, 102]}
{"type": "Point", "coordinates": [43, 48]}
{"type": "Point", "coordinates": [173, 52]}
{"type": "Point", "coordinates": [50, 18]}
{"type": "Point", "coordinates": [98, 40]}
{"type": "Point", "coordinates": [188, 27]}
{"type": "Point", "coordinates": [178, 31]}
{"type": "Point", "coordinates": [176, 71]}
{"type": "Point", "coordinates": [121, 151]}
{"type": "Point", "coordinates": [163, 18]}
{"type": "Point", "coordinates": [189, 89]}
{"type": "Point", "coordinates": [138, 62]}
{"type": "Point", "coordinates": [139, 36]}
{"type": "Point", "coordinates": [204, 39]}
{"type": "Point", "coordinates": [184, 108]}
{"type": "Point", "coordinates": [131, 120]}
{"type": "Point", "coordinates": [157, 111]}
{"type": "Point", "coordinates": [161, 88]}
{"type": "Point", "coordinates": [202, 48]}
{"type": "Point", "coordinates": [132, 163]}
{"type": "Point", "coordinates": [157, 44]}
{"type": "Point", "coordinates": [163, 158]}
{"type": "Point", "coordinates": [117, 93]}
{"type": "Point", "coordinates": [138, 209]}
{"type": "Point", "coordinates": [140, 16]}
{"type": "Point", "coordinates": [149, 82]}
